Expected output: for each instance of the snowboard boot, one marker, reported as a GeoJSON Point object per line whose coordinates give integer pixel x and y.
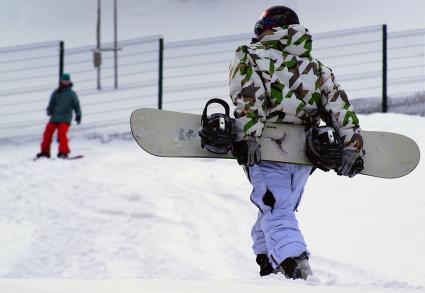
{"type": "Point", "coordinates": [62, 155]}
{"type": "Point", "coordinates": [265, 266]}
{"type": "Point", "coordinates": [43, 155]}
{"type": "Point", "coordinates": [295, 267]}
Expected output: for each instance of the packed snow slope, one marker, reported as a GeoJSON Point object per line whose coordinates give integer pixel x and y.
{"type": "Point", "coordinates": [168, 225]}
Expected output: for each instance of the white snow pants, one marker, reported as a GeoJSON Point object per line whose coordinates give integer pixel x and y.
{"type": "Point", "coordinates": [277, 191]}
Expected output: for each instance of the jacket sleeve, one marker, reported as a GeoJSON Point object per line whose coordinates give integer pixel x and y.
{"type": "Point", "coordinates": [76, 105]}
{"type": "Point", "coordinates": [335, 100]}
{"type": "Point", "coordinates": [248, 94]}
{"type": "Point", "coordinates": [51, 104]}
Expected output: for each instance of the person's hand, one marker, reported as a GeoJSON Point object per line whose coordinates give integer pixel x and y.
{"type": "Point", "coordinates": [351, 164]}
{"type": "Point", "coordinates": [78, 119]}
{"type": "Point", "coordinates": [247, 152]}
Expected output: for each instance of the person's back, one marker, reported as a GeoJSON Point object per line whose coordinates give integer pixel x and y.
{"type": "Point", "coordinates": [289, 74]}
{"type": "Point", "coordinates": [286, 84]}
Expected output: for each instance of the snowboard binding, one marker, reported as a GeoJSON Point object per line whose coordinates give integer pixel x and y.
{"type": "Point", "coordinates": [323, 147]}
{"type": "Point", "coordinates": [216, 130]}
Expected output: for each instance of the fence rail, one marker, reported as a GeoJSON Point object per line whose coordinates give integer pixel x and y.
{"type": "Point", "coordinates": [379, 70]}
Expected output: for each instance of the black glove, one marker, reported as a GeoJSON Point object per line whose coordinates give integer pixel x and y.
{"type": "Point", "coordinates": [351, 164]}
{"type": "Point", "coordinates": [78, 119]}
{"type": "Point", "coordinates": [247, 152]}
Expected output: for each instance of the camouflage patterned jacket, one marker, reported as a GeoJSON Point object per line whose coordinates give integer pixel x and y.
{"type": "Point", "coordinates": [276, 79]}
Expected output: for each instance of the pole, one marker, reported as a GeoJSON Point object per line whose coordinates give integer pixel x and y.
{"type": "Point", "coordinates": [115, 45]}
{"type": "Point", "coordinates": [61, 57]}
{"type": "Point", "coordinates": [384, 69]}
{"type": "Point", "coordinates": [160, 71]}
{"type": "Point", "coordinates": [98, 41]}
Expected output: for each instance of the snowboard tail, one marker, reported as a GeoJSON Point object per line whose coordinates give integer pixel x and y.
{"type": "Point", "coordinates": [175, 134]}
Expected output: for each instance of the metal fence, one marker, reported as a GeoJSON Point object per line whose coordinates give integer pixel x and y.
{"type": "Point", "coordinates": [369, 63]}
{"type": "Point", "coordinates": [27, 74]}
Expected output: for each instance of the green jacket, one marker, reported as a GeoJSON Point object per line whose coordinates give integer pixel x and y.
{"type": "Point", "coordinates": [62, 102]}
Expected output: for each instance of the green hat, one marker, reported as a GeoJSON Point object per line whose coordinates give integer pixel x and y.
{"type": "Point", "coordinates": [66, 76]}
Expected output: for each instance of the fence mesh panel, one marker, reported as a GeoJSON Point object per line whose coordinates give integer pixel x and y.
{"type": "Point", "coordinates": [27, 75]}
{"type": "Point", "coordinates": [355, 56]}
{"type": "Point", "coordinates": [406, 72]}
{"type": "Point", "coordinates": [195, 71]}
{"type": "Point", "coordinates": [137, 81]}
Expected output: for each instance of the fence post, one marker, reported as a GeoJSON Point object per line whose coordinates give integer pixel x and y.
{"type": "Point", "coordinates": [384, 70]}
{"type": "Point", "coordinates": [160, 71]}
{"type": "Point", "coordinates": [61, 57]}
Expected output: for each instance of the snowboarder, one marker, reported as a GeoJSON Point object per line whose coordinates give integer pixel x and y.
{"type": "Point", "coordinates": [62, 102]}
{"type": "Point", "coordinates": [276, 79]}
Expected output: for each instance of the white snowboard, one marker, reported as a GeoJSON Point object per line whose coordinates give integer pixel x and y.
{"type": "Point", "coordinates": [174, 134]}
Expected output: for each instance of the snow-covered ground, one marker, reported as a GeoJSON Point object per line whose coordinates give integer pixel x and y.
{"type": "Point", "coordinates": [121, 220]}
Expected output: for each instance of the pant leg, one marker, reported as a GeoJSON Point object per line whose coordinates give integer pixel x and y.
{"type": "Point", "coordinates": [259, 240]}
{"type": "Point", "coordinates": [277, 191]}
{"type": "Point", "coordinates": [47, 137]}
{"type": "Point", "coordinates": [300, 175]}
{"type": "Point", "coordinates": [62, 137]}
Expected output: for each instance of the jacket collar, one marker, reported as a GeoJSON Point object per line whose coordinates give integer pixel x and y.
{"type": "Point", "coordinates": [292, 39]}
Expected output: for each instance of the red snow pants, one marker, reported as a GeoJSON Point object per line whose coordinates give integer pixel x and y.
{"type": "Point", "coordinates": [62, 138]}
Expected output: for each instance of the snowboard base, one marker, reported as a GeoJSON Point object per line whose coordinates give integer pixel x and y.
{"type": "Point", "coordinates": [174, 134]}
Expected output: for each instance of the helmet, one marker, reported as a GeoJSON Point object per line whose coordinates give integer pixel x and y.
{"type": "Point", "coordinates": [216, 130]}
{"type": "Point", "coordinates": [275, 16]}
{"type": "Point", "coordinates": [323, 147]}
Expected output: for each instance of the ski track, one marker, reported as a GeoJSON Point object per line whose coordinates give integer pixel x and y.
{"type": "Point", "coordinates": [128, 214]}
{"type": "Point", "coordinates": [332, 273]}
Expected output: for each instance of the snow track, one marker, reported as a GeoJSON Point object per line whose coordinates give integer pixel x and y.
{"type": "Point", "coordinates": [333, 273]}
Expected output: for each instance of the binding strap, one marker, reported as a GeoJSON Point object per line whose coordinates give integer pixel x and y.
{"type": "Point", "coordinates": [214, 101]}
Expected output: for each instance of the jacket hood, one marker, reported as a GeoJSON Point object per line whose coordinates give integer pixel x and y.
{"type": "Point", "coordinates": [292, 39]}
